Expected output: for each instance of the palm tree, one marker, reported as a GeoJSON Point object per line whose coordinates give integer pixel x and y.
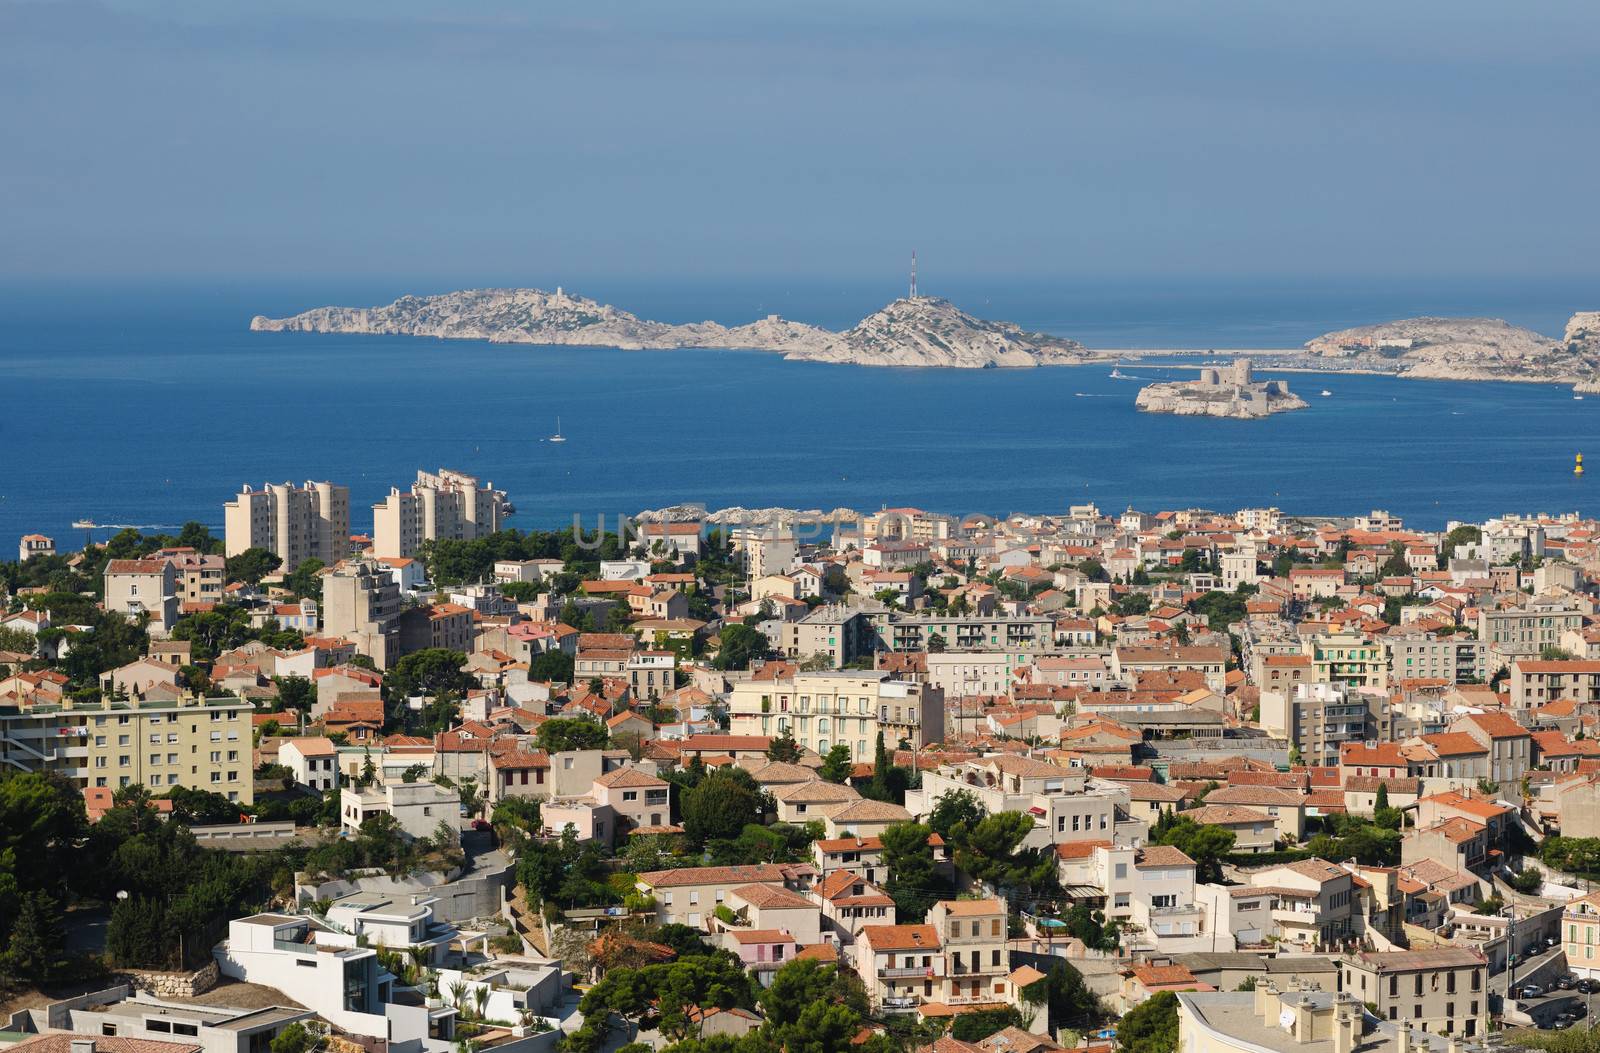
{"type": "Point", "coordinates": [458, 994]}
{"type": "Point", "coordinates": [480, 995]}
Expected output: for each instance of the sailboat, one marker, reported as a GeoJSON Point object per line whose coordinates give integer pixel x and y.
{"type": "Point", "coordinates": [558, 437]}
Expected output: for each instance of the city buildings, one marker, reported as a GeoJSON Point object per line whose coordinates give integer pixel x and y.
{"type": "Point", "coordinates": [442, 504]}
{"type": "Point", "coordinates": [849, 707]}
{"type": "Point", "coordinates": [294, 523]}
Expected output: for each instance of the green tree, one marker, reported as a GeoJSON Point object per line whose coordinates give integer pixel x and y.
{"type": "Point", "coordinates": [431, 671]}
{"type": "Point", "coordinates": [1461, 535]}
{"type": "Point", "coordinates": [35, 951]}
{"type": "Point", "coordinates": [889, 782]}
{"type": "Point", "coordinates": [42, 821]}
{"type": "Point", "coordinates": [293, 1039]}
{"type": "Point", "coordinates": [1352, 837]}
{"type": "Point", "coordinates": [955, 809]}
{"type": "Point", "coordinates": [912, 880]}
{"type": "Point", "coordinates": [560, 734]}
{"type": "Point", "coordinates": [784, 748]}
{"type": "Point", "coordinates": [202, 807]}
{"type": "Point", "coordinates": [721, 806]}
{"type": "Point", "coordinates": [981, 1023]}
{"type": "Point", "coordinates": [1072, 1004]}
{"type": "Point", "coordinates": [17, 641]}
{"type": "Point", "coordinates": [1151, 1026]}
{"type": "Point", "coordinates": [836, 766]}
{"type": "Point", "coordinates": [251, 565]}
{"type": "Point", "coordinates": [306, 579]}
{"type": "Point", "coordinates": [1203, 843]}
{"type": "Point", "coordinates": [740, 645]}
{"type": "Point", "coordinates": [552, 666]}
{"type": "Point", "coordinates": [992, 851]}
{"type": "Point", "coordinates": [806, 982]}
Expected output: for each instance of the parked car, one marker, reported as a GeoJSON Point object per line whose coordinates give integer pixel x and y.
{"type": "Point", "coordinates": [481, 824]}
{"type": "Point", "coordinates": [1531, 991]}
{"type": "Point", "coordinates": [1588, 986]}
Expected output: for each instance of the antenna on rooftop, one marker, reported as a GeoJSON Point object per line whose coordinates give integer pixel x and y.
{"type": "Point", "coordinates": [913, 274]}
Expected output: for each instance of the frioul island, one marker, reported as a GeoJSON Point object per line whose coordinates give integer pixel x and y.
{"type": "Point", "coordinates": [1220, 392]}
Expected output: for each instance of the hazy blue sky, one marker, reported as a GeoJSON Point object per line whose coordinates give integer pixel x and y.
{"type": "Point", "coordinates": [473, 141]}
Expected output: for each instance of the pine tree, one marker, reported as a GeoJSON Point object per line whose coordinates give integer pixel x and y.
{"type": "Point", "coordinates": [36, 939]}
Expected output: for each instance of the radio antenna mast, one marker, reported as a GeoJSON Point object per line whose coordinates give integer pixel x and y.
{"type": "Point", "coordinates": [913, 274]}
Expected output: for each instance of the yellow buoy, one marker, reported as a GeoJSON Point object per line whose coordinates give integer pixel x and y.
{"type": "Point", "coordinates": [1577, 469]}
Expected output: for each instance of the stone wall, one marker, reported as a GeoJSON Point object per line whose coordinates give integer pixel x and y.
{"type": "Point", "coordinates": [177, 985]}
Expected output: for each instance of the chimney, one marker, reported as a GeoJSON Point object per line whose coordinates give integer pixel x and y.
{"type": "Point", "coordinates": [1455, 1044]}
{"type": "Point", "coordinates": [1267, 1002]}
{"type": "Point", "coordinates": [1344, 1031]}
{"type": "Point", "coordinates": [83, 1045]}
{"type": "Point", "coordinates": [1403, 1039]}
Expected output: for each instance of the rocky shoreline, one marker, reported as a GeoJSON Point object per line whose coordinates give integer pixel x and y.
{"type": "Point", "coordinates": [929, 332]}
{"type": "Point", "coordinates": [917, 332]}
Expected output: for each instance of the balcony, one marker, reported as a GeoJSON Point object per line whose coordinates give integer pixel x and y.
{"type": "Point", "coordinates": [901, 1002]}
{"type": "Point", "coordinates": [903, 972]}
{"type": "Point", "coordinates": [1179, 911]}
{"type": "Point", "coordinates": [974, 999]}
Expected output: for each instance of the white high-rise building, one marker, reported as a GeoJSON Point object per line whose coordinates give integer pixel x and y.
{"type": "Point", "coordinates": [295, 523]}
{"type": "Point", "coordinates": [443, 504]}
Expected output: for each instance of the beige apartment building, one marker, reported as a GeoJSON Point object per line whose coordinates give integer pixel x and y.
{"type": "Point", "coordinates": [691, 895]}
{"type": "Point", "coordinates": [199, 578]}
{"type": "Point", "coordinates": [901, 966]}
{"type": "Point", "coordinates": [1580, 934]}
{"type": "Point", "coordinates": [202, 744]}
{"type": "Point", "coordinates": [1527, 630]}
{"type": "Point", "coordinates": [1348, 658]}
{"type": "Point", "coordinates": [1441, 989]}
{"type": "Point", "coordinates": [976, 958]}
{"type": "Point", "coordinates": [361, 602]}
{"type": "Point", "coordinates": [1425, 656]}
{"type": "Point", "coordinates": [958, 958]}
{"type": "Point", "coordinates": [296, 523]}
{"type": "Point", "coordinates": [833, 707]}
{"type": "Point", "coordinates": [838, 633]}
{"type": "Point", "coordinates": [1535, 683]}
{"type": "Point", "coordinates": [137, 587]}
{"type": "Point", "coordinates": [440, 505]}
{"type": "Point", "coordinates": [1065, 806]}
{"type": "Point", "coordinates": [1320, 718]}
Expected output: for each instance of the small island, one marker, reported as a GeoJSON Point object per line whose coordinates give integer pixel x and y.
{"type": "Point", "coordinates": [1220, 393]}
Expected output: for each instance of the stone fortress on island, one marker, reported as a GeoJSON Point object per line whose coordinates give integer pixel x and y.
{"type": "Point", "coordinates": [1220, 392]}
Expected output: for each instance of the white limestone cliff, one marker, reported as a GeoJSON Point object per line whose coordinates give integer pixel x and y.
{"type": "Point", "coordinates": [923, 331]}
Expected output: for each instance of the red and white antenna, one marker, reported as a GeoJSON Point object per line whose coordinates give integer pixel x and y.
{"type": "Point", "coordinates": [913, 274]}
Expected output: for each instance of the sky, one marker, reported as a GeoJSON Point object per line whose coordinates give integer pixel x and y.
{"type": "Point", "coordinates": [534, 141]}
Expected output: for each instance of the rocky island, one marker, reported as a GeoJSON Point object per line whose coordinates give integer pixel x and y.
{"type": "Point", "coordinates": [1464, 349]}
{"type": "Point", "coordinates": [1220, 392]}
{"type": "Point", "coordinates": [914, 331]}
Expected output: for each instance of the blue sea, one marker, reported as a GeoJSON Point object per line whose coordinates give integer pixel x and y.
{"type": "Point", "coordinates": [151, 405]}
